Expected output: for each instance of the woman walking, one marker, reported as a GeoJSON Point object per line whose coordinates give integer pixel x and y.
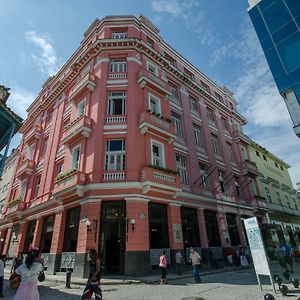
{"type": "Point", "coordinates": [29, 273]}
{"type": "Point", "coordinates": [163, 268]}
{"type": "Point", "coordinates": [18, 261]}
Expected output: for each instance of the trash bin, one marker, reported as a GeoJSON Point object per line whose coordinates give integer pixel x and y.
{"type": "Point", "coordinates": [68, 279]}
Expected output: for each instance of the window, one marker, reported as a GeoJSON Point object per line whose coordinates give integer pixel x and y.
{"type": "Point", "coordinates": [23, 188]}
{"type": "Point", "coordinates": [31, 151]}
{"type": "Point", "coordinates": [118, 66]}
{"type": "Point", "coordinates": [181, 168]}
{"type": "Point", "coordinates": [198, 135]}
{"type": "Point", "coordinates": [193, 103]}
{"type": "Point", "coordinates": [204, 176]}
{"type": "Point", "coordinates": [29, 236]}
{"type": "Point", "coordinates": [176, 120]}
{"type": "Point", "coordinates": [117, 103]}
{"type": "Point", "coordinates": [174, 91]}
{"type": "Point", "coordinates": [119, 35]}
{"type": "Point", "coordinates": [204, 86]}
{"type": "Point", "coordinates": [224, 123]}
{"type": "Point", "coordinates": [171, 60]}
{"type": "Point", "coordinates": [154, 104]}
{"type": "Point", "coordinates": [76, 157]}
{"type": "Point", "coordinates": [71, 230]}
{"type": "Point", "coordinates": [252, 188]}
{"type": "Point", "coordinates": [60, 168]}
{"type": "Point", "coordinates": [210, 115]}
{"type": "Point", "coordinates": [219, 97]}
{"type": "Point", "coordinates": [238, 191]}
{"type": "Point", "coordinates": [222, 181]}
{"type": "Point", "coordinates": [215, 144]}
{"type": "Point", "coordinates": [257, 153]}
{"type": "Point", "coordinates": [115, 155]}
{"type": "Point", "coordinates": [264, 157]}
{"type": "Point", "coordinates": [45, 147]}
{"type": "Point", "coordinates": [157, 154]}
{"type": "Point", "coordinates": [150, 42]}
{"type": "Point", "coordinates": [276, 165]}
{"type": "Point", "coordinates": [230, 151]}
{"type": "Point", "coordinates": [37, 185]}
{"type": "Point", "coordinates": [244, 153]}
{"type": "Point", "coordinates": [188, 74]}
{"type": "Point", "coordinates": [81, 108]}
{"type": "Point", "coordinates": [47, 232]}
{"type": "Point", "coordinates": [49, 116]}
{"type": "Point", "coordinates": [152, 69]}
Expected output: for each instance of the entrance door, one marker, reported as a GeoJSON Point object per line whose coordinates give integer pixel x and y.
{"type": "Point", "coordinates": [112, 236]}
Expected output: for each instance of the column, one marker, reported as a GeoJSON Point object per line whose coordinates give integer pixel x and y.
{"type": "Point", "coordinates": [57, 240]}
{"type": "Point", "coordinates": [21, 237]}
{"type": "Point", "coordinates": [223, 229]}
{"type": "Point", "coordinates": [137, 236]}
{"type": "Point", "coordinates": [202, 228]}
{"type": "Point", "coordinates": [87, 237]}
{"type": "Point", "coordinates": [38, 232]}
{"type": "Point", "coordinates": [7, 241]}
{"type": "Point", "coordinates": [241, 230]}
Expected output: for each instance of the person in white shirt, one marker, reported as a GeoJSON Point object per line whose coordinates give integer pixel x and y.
{"type": "Point", "coordinates": [196, 260]}
{"type": "Point", "coordinates": [179, 261]}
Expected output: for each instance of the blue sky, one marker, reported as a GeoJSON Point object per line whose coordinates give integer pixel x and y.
{"type": "Point", "coordinates": [37, 37]}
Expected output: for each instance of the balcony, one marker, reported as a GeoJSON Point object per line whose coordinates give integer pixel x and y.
{"type": "Point", "coordinates": [149, 122]}
{"type": "Point", "coordinates": [115, 119]}
{"type": "Point", "coordinates": [25, 168]}
{"type": "Point", "coordinates": [283, 209]}
{"type": "Point", "coordinates": [146, 78]}
{"type": "Point", "coordinates": [34, 134]}
{"type": "Point", "coordinates": [117, 75]}
{"type": "Point", "coordinates": [153, 179]}
{"type": "Point", "coordinates": [239, 136]}
{"type": "Point", "coordinates": [69, 184]}
{"type": "Point", "coordinates": [79, 128]}
{"type": "Point", "coordinates": [114, 176]}
{"type": "Point", "coordinates": [85, 84]}
{"type": "Point", "coordinates": [259, 203]}
{"type": "Point", "coordinates": [249, 168]}
{"type": "Point", "coordinates": [14, 208]}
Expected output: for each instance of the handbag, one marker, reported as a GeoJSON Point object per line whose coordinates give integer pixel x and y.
{"type": "Point", "coordinates": [42, 276]}
{"type": "Point", "coordinates": [14, 281]}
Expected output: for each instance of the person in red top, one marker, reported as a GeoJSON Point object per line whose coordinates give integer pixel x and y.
{"type": "Point", "coordinates": [163, 268]}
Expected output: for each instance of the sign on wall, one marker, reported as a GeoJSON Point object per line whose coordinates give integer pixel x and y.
{"type": "Point", "coordinates": [177, 233]}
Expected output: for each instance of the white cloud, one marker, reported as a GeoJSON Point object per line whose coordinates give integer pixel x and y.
{"type": "Point", "coordinates": [194, 19]}
{"type": "Point", "coordinates": [19, 101]}
{"type": "Point", "coordinates": [46, 60]}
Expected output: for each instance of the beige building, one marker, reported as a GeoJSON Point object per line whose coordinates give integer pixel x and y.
{"type": "Point", "coordinates": [274, 183]}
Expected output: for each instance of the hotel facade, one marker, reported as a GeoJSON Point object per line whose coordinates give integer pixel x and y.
{"type": "Point", "coordinates": [130, 149]}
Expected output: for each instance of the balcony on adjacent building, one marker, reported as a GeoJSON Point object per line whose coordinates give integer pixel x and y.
{"type": "Point", "coordinates": [33, 134]}
{"type": "Point", "coordinates": [84, 84]}
{"type": "Point", "coordinates": [149, 79]}
{"type": "Point", "coordinates": [283, 209]}
{"type": "Point", "coordinates": [149, 122]}
{"type": "Point", "coordinates": [77, 129]}
{"type": "Point", "coordinates": [25, 168]}
{"type": "Point", "coordinates": [69, 184]}
{"type": "Point", "coordinates": [154, 179]}
{"type": "Point", "coordinates": [249, 168]}
{"type": "Point", "coordinates": [240, 136]}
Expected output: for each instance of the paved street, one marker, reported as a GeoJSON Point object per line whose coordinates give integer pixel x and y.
{"type": "Point", "coordinates": [226, 286]}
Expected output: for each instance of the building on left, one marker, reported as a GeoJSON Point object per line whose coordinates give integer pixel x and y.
{"type": "Point", "coordinates": [9, 125]}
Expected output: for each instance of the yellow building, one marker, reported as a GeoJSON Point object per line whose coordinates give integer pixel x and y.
{"type": "Point", "coordinates": [274, 183]}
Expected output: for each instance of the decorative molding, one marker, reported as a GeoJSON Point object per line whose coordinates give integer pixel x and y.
{"type": "Point", "coordinates": [135, 59]}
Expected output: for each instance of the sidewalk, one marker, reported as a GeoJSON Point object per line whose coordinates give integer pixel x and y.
{"type": "Point", "coordinates": [123, 279]}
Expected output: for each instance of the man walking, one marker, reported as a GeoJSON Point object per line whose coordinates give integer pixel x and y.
{"type": "Point", "coordinates": [196, 259]}
{"type": "Point", "coordinates": [179, 262]}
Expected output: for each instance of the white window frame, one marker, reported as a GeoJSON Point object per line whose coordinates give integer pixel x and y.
{"type": "Point", "coordinates": [23, 188]}
{"type": "Point", "coordinates": [198, 135]}
{"type": "Point", "coordinates": [161, 146]}
{"type": "Point", "coordinates": [252, 188]}
{"type": "Point", "coordinates": [81, 108]}
{"type": "Point", "coordinates": [221, 180]}
{"type": "Point", "coordinates": [181, 166]}
{"type": "Point", "coordinates": [151, 65]}
{"type": "Point", "coordinates": [244, 153]}
{"type": "Point", "coordinates": [118, 65]}
{"type": "Point", "coordinates": [30, 152]}
{"type": "Point", "coordinates": [37, 185]}
{"type": "Point", "coordinates": [224, 123]}
{"type": "Point", "coordinates": [76, 164]}
{"type": "Point", "coordinates": [210, 115]}
{"type": "Point", "coordinates": [204, 178]}
{"type": "Point", "coordinates": [116, 156]}
{"type": "Point", "coordinates": [177, 123]}
{"type": "Point", "coordinates": [158, 106]}
{"type": "Point", "coordinates": [193, 104]}
{"type": "Point", "coordinates": [215, 144]}
{"type": "Point", "coordinates": [119, 35]}
{"type": "Point", "coordinates": [111, 97]}
{"type": "Point", "coordinates": [230, 151]}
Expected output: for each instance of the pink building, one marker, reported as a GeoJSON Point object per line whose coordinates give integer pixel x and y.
{"type": "Point", "coordinates": [129, 149]}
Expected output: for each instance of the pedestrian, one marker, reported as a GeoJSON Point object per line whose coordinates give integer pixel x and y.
{"type": "Point", "coordinates": [179, 262]}
{"type": "Point", "coordinates": [29, 273]}
{"type": "Point", "coordinates": [17, 262]}
{"type": "Point", "coordinates": [196, 260]}
{"type": "Point", "coordinates": [2, 266]}
{"type": "Point", "coordinates": [93, 283]}
{"type": "Point", "coordinates": [163, 268]}
{"type": "Point", "coordinates": [230, 253]}
{"type": "Point", "coordinates": [287, 255]}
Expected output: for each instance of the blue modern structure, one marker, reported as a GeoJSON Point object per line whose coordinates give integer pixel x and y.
{"type": "Point", "coordinates": [9, 125]}
{"type": "Point", "coordinates": [277, 25]}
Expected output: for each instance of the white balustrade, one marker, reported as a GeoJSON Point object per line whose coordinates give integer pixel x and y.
{"type": "Point", "coordinates": [114, 176]}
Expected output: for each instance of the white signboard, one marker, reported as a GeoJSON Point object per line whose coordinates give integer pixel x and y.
{"type": "Point", "coordinates": [257, 247]}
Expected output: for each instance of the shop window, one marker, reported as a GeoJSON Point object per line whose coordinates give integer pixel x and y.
{"type": "Point", "coordinates": [47, 232]}
{"type": "Point", "coordinates": [190, 228]}
{"type": "Point", "coordinates": [29, 236]}
{"type": "Point", "coordinates": [212, 228]}
{"type": "Point", "coordinates": [71, 230]}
